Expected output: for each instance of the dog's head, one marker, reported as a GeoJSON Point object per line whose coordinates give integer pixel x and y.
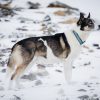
{"type": "Point", "coordinates": [85, 22]}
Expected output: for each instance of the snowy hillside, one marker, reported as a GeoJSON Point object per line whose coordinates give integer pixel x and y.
{"type": "Point", "coordinates": [49, 83]}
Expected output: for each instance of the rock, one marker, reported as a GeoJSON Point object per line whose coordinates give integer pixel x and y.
{"type": "Point", "coordinates": [73, 67]}
{"type": "Point", "coordinates": [82, 90]}
{"type": "Point", "coordinates": [88, 63]}
{"type": "Point", "coordinates": [47, 18]}
{"type": "Point", "coordinates": [57, 70]}
{"type": "Point", "coordinates": [84, 97]}
{"type": "Point", "coordinates": [98, 48]}
{"type": "Point", "coordinates": [38, 82]}
{"type": "Point", "coordinates": [30, 77]}
{"type": "Point", "coordinates": [49, 28]}
{"type": "Point", "coordinates": [96, 45]}
{"type": "Point", "coordinates": [91, 51]}
{"type": "Point", "coordinates": [14, 41]}
{"type": "Point", "coordinates": [21, 29]}
{"type": "Point", "coordinates": [58, 4]}
{"type": "Point", "coordinates": [2, 63]}
{"type": "Point", "coordinates": [5, 50]}
{"type": "Point", "coordinates": [40, 66]}
{"type": "Point", "coordinates": [97, 83]}
{"type": "Point", "coordinates": [15, 98]}
{"type": "Point", "coordinates": [6, 12]}
{"type": "Point", "coordinates": [22, 21]}
{"type": "Point", "coordinates": [6, 20]}
{"type": "Point", "coordinates": [18, 8]}
{"type": "Point", "coordinates": [42, 73]}
{"type": "Point", "coordinates": [3, 70]}
{"type": "Point", "coordinates": [33, 5]}
{"type": "Point", "coordinates": [95, 97]}
{"type": "Point", "coordinates": [1, 55]}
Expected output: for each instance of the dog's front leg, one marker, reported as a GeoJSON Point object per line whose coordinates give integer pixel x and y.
{"type": "Point", "coordinates": [68, 69]}
{"type": "Point", "coordinates": [68, 64]}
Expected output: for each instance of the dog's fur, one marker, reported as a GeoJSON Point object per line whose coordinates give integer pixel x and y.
{"type": "Point", "coordinates": [63, 47]}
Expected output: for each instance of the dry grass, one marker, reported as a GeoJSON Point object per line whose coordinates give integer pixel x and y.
{"type": "Point", "coordinates": [70, 21]}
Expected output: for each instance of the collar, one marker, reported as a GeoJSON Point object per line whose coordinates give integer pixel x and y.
{"type": "Point", "coordinates": [78, 37]}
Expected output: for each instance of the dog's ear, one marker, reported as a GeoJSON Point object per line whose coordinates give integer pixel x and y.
{"type": "Point", "coordinates": [81, 15]}
{"type": "Point", "coordinates": [88, 15]}
{"type": "Point", "coordinates": [79, 22]}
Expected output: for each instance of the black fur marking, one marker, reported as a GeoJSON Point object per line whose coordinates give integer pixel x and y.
{"type": "Point", "coordinates": [35, 44]}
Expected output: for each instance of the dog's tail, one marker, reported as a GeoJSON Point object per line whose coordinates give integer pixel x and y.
{"type": "Point", "coordinates": [64, 44]}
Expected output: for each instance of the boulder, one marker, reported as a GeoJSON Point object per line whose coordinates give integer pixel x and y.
{"type": "Point", "coordinates": [58, 4]}
{"type": "Point", "coordinates": [33, 5]}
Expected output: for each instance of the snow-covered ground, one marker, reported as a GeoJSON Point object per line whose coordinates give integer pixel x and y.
{"type": "Point", "coordinates": [50, 84]}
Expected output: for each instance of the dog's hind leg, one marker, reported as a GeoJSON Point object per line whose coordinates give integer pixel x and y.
{"type": "Point", "coordinates": [9, 70]}
{"type": "Point", "coordinates": [17, 74]}
{"type": "Point", "coordinates": [10, 66]}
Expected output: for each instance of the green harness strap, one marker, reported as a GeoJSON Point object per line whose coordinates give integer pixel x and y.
{"type": "Point", "coordinates": [78, 37]}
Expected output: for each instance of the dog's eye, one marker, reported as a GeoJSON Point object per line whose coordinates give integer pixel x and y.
{"type": "Point", "coordinates": [90, 22]}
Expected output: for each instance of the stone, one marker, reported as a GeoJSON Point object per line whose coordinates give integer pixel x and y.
{"type": "Point", "coordinates": [58, 4]}
{"type": "Point", "coordinates": [33, 5]}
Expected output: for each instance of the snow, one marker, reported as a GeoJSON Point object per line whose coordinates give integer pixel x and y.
{"type": "Point", "coordinates": [50, 84]}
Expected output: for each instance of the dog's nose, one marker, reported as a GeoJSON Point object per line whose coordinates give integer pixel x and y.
{"type": "Point", "coordinates": [98, 27]}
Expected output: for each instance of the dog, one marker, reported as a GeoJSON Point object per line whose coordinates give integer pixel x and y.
{"type": "Point", "coordinates": [87, 22]}
{"type": "Point", "coordinates": [64, 47]}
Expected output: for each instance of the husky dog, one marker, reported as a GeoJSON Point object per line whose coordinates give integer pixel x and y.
{"type": "Point", "coordinates": [63, 47]}
{"type": "Point", "coordinates": [87, 22]}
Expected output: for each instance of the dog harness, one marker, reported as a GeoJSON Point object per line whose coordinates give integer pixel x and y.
{"type": "Point", "coordinates": [78, 37]}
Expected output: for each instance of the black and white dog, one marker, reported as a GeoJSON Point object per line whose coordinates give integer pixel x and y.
{"type": "Point", "coordinates": [59, 47]}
